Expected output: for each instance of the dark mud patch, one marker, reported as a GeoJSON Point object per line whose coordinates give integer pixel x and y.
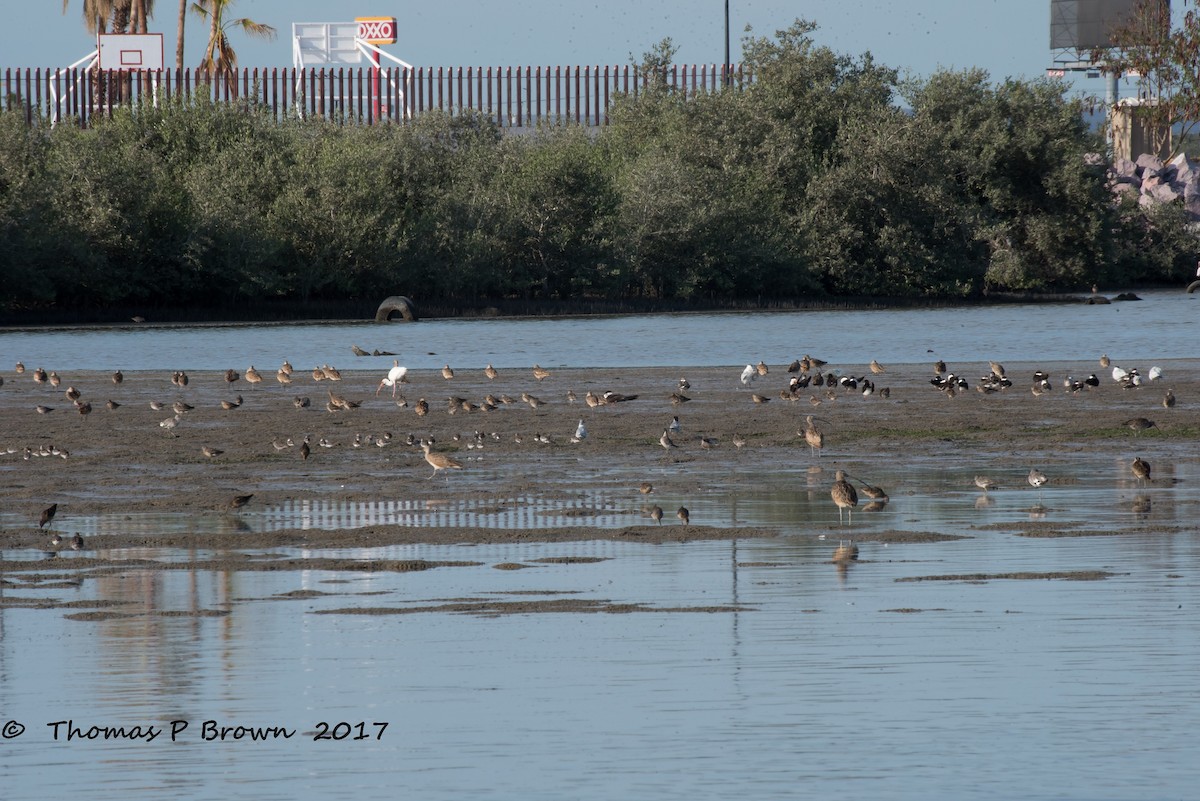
{"type": "Point", "coordinates": [1063, 575]}
{"type": "Point", "coordinates": [104, 616]}
{"type": "Point", "coordinates": [763, 564]}
{"type": "Point", "coordinates": [511, 566]}
{"type": "Point", "coordinates": [909, 610]}
{"type": "Point", "coordinates": [1054, 533]}
{"type": "Point", "coordinates": [570, 560]}
{"type": "Point", "coordinates": [583, 511]}
{"type": "Point", "coordinates": [495, 608]}
{"type": "Point", "coordinates": [897, 536]}
{"type": "Point", "coordinates": [1027, 526]}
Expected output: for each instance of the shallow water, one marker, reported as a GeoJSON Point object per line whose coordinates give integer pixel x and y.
{"type": "Point", "coordinates": [1157, 327]}
{"type": "Point", "coordinates": [797, 678]}
{"type": "Point", "coordinates": [837, 682]}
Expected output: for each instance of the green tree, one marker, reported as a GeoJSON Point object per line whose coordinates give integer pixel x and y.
{"type": "Point", "coordinates": [1164, 61]}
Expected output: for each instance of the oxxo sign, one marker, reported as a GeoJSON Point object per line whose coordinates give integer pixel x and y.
{"type": "Point", "coordinates": [377, 30]}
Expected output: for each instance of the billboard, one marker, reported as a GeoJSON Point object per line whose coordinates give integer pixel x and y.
{"type": "Point", "coordinates": [1085, 24]}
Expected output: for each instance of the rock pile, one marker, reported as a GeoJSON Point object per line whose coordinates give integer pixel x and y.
{"type": "Point", "coordinates": [1155, 182]}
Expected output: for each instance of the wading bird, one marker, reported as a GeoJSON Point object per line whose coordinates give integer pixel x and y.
{"type": "Point", "coordinates": [394, 377]}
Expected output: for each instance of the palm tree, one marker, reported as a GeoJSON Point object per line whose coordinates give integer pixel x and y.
{"type": "Point", "coordinates": [121, 16]}
{"type": "Point", "coordinates": [219, 59]}
{"type": "Point", "coordinates": [179, 41]}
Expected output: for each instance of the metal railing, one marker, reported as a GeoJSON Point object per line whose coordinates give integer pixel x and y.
{"type": "Point", "coordinates": [512, 96]}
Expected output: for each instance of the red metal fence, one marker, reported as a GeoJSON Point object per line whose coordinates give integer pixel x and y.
{"type": "Point", "coordinates": [513, 96]}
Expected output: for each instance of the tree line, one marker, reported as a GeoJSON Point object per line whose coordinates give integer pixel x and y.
{"type": "Point", "coordinates": [829, 176]}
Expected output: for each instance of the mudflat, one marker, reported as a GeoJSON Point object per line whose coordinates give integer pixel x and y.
{"type": "Point", "coordinates": [123, 460]}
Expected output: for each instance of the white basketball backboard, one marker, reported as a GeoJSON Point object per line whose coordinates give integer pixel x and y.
{"type": "Point", "coordinates": [320, 43]}
{"type": "Point", "coordinates": [130, 51]}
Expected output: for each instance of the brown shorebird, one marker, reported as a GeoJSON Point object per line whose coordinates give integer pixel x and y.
{"type": "Point", "coordinates": [211, 453]}
{"type": "Point", "coordinates": [20, 368]}
{"type": "Point", "coordinates": [47, 515]}
{"type": "Point", "coordinates": [118, 377]}
{"type": "Point", "coordinates": [331, 373]}
{"type": "Point", "coordinates": [54, 379]}
{"type": "Point", "coordinates": [83, 407]}
{"type": "Point", "coordinates": [301, 402]}
{"type": "Point", "coordinates": [813, 436]}
{"type": "Point", "coordinates": [73, 394]}
{"type": "Point", "coordinates": [844, 495]}
{"type": "Point", "coordinates": [997, 369]}
{"type": "Point", "coordinates": [540, 373]}
{"type": "Point", "coordinates": [231, 375]}
{"type": "Point", "coordinates": [760, 399]}
{"type": "Point", "coordinates": [1104, 360]}
{"type": "Point", "coordinates": [227, 405]}
{"type": "Point", "coordinates": [1139, 424]}
{"type": "Point", "coordinates": [490, 372]}
{"type": "Point", "coordinates": [985, 483]}
{"type": "Point", "coordinates": [873, 492]}
{"type": "Point", "coordinates": [685, 517]}
{"type": "Point", "coordinates": [39, 376]}
{"type": "Point", "coordinates": [283, 377]}
{"type": "Point", "coordinates": [646, 488]}
{"type": "Point", "coordinates": [77, 542]}
{"type": "Point", "coordinates": [253, 376]}
{"type": "Point", "coordinates": [439, 461]}
{"type": "Point", "coordinates": [304, 449]}
{"type": "Point", "coordinates": [422, 408]}
{"type": "Point", "coordinates": [761, 367]}
{"type": "Point", "coordinates": [447, 373]}
{"type": "Point", "coordinates": [181, 408]}
{"type": "Point", "coordinates": [665, 441]}
{"type": "Point", "coordinates": [238, 501]}
{"type": "Point", "coordinates": [876, 367]}
{"type": "Point", "coordinates": [1169, 400]}
{"type": "Point", "coordinates": [112, 404]}
{"type": "Point", "coordinates": [45, 409]}
{"type": "Point", "coordinates": [1141, 470]}
{"type": "Point", "coordinates": [656, 514]}
{"type": "Point", "coordinates": [739, 441]}
{"type": "Point", "coordinates": [678, 398]}
{"type": "Point", "coordinates": [939, 367]}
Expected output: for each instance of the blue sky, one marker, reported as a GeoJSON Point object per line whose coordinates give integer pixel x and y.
{"type": "Point", "coordinates": [1005, 37]}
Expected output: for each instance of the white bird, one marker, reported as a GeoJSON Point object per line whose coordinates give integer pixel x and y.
{"type": "Point", "coordinates": [395, 376]}
{"type": "Point", "coordinates": [1155, 373]}
{"type": "Point", "coordinates": [675, 427]}
{"type": "Point", "coordinates": [748, 375]}
{"type": "Point", "coordinates": [580, 432]}
{"type": "Point", "coordinates": [1118, 374]}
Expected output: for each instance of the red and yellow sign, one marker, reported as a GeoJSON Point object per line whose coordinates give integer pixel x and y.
{"type": "Point", "coordinates": [377, 30]}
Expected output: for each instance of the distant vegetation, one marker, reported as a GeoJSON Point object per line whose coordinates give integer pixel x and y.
{"type": "Point", "coordinates": [812, 182]}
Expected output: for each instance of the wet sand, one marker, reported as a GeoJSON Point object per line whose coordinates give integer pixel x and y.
{"type": "Point", "coordinates": [121, 461]}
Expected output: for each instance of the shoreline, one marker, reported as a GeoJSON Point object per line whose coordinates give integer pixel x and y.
{"type": "Point", "coordinates": [122, 464]}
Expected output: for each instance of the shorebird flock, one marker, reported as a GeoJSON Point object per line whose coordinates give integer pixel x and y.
{"type": "Point", "coordinates": [808, 380]}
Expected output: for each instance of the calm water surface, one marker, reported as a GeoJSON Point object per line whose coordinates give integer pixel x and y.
{"type": "Point", "coordinates": [806, 680]}
{"type": "Point", "coordinates": [1160, 327]}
